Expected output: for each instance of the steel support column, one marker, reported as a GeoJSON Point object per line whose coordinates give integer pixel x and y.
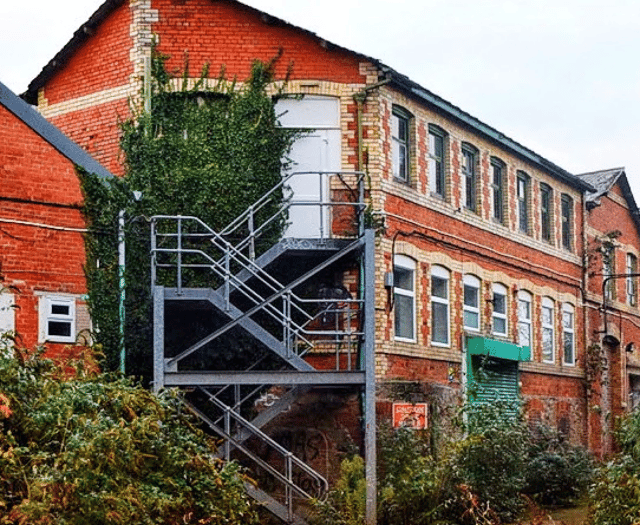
{"type": "Point", "coordinates": [370, 373]}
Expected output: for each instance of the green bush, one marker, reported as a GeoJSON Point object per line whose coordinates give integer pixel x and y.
{"type": "Point", "coordinates": [346, 502]}
{"type": "Point", "coordinates": [412, 485]}
{"type": "Point", "coordinates": [615, 494]}
{"type": "Point", "coordinates": [79, 448]}
{"type": "Point", "coordinates": [489, 462]}
{"type": "Point", "coordinates": [557, 472]}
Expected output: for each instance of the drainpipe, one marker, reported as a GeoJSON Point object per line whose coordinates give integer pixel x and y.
{"type": "Point", "coordinates": [360, 98]}
{"type": "Point", "coordinates": [367, 358]}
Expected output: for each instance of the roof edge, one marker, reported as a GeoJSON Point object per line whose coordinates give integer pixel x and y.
{"type": "Point", "coordinates": [50, 133]}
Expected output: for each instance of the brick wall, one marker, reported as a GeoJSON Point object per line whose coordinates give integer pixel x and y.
{"type": "Point", "coordinates": [40, 225]}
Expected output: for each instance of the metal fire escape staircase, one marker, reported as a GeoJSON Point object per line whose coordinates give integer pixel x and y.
{"type": "Point", "coordinates": [258, 332]}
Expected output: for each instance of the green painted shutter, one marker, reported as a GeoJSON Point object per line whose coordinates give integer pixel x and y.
{"type": "Point", "coordinates": [494, 379]}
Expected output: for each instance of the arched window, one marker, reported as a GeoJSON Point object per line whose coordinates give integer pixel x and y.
{"type": "Point", "coordinates": [498, 189]}
{"type": "Point", "coordinates": [471, 309]}
{"type": "Point", "coordinates": [499, 317]}
{"type": "Point", "coordinates": [547, 314]}
{"type": "Point", "coordinates": [437, 161]}
{"type": "Point", "coordinates": [440, 278]}
{"type": "Point", "coordinates": [401, 144]}
{"type": "Point", "coordinates": [568, 334]}
{"type": "Point", "coordinates": [404, 298]}
{"type": "Point", "coordinates": [525, 303]}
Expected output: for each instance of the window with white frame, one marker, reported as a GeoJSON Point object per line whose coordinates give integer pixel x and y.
{"type": "Point", "coordinates": [57, 319]}
{"type": "Point", "coordinates": [404, 298]}
{"type": "Point", "coordinates": [437, 178]}
{"type": "Point", "coordinates": [499, 316]}
{"type": "Point", "coordinates": [524, 318]}
{"type": "Point", "coordinates": [568, 335]}
{"type": "Point", "coordinates": [632, 280]}
{"type": "Point", "coordinates": [471, 310]}
{"type": "Point", "coordinates": [440, 278]}
{"type": "Point", "coordinates": [548, 331]}
{"type": "Point", "coordinates": [400, 144]}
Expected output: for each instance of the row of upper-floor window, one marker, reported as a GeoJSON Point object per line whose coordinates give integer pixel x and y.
{"type": "Point", "coordinates": [555, 319]}
{"type": "Point", "coordinates": [470, 193]}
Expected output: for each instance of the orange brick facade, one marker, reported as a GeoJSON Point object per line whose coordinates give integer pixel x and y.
{"type": "Point", "coordinates": [40, 232]}
{"type": "Point", "coordinates": [103, 74]}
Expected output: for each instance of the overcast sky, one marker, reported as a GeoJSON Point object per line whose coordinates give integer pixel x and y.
{"type": "Point", "coordinates": [561, 77]}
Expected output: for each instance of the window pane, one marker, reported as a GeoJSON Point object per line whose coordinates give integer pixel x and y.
{"type": "Point", "coordinates": [524, 334]}
{"type": "Point", "coordinates": [547, 344]}
{"type": "Point", "coordinates": [568, 348]}
{"type": "Point", "coordinates": [471, 319]}
{"type": "Point", "coordinates": [440, 322]}
{"type": "Point", "coordinates": [59, 328]}
{"type": "Point", "coordinates": [470, 296]}
{"type": "Point", "coordinates": [404, 316]}
{"type": "Point", "coordinates": [499, 325]}
{"type": "Point", "coordinates": [499, 303]}
{"type": "Point", "coordinates": [60, 309]}
{"type": "Point", "coordinates": [403, 278]}
{"type": "Point", "coordinates": [439, 287]}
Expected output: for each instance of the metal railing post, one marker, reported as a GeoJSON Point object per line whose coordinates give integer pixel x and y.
{"type": "Point", "coordinates": [179, 274]}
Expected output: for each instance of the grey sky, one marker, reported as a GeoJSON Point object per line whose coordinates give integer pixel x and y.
{"type": "Point", "coordinates": [559, 76]}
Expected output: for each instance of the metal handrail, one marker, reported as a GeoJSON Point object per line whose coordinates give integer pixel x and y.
{"type": "Point", "coordinates": [289, 458]}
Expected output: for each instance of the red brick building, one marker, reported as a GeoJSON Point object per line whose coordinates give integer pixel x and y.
{"type": "Point", "coordinates": [612, 233]}
{"type": "Point", "coordinates": [41, 228]}
{"type": "Point", "coordinates": [482, 261]}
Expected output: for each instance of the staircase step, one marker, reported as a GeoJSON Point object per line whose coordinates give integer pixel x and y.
{"type": "Point", "coordinates": [248, 324]}
{"type": "Point", "coordinates": [275, 507]}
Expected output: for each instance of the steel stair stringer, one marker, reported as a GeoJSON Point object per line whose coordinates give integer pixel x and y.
{"type": "Point", "coordinates": [248, 324]}
{"type": "Point", "coordinates": [290, 462]}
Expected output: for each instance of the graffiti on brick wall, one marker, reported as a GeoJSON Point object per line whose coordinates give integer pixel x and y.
{"type": "Point", "coordinates": [309, 445]}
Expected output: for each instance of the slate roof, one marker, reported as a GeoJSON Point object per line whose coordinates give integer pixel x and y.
{"type": "Point", "coordinates": [50, 133]}
{"type": "Point", "coordinates": [602, 182]}
{"type": "Point", "coordinates": [399, 80]}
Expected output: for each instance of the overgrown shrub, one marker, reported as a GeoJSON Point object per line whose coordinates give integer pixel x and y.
{"type": "Point", "coordinates": [615, 493]}
{"type": "Point", "coordinates": [489, 463]}
{"type": "Point", "coordinates": [77, 449]}
{"type": "Point", "coordinates": [346, 502]}
{"type": "Point", "coordinates": [412, 485]}
{"type": "Point", "coordinates": [557, 472]}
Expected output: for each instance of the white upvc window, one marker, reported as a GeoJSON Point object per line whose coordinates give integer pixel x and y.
{"type": "Point", "coordinates": [548, 331]}
{"type": "Point", "coordinates": [471, 310]}
{"type": "Point", "coordinates": [524, 318]}
{"type": "Point", "coordinates": [440, 278]}
{"type": "Point", "coordinates": [404, 298]}
{"type": "Point", "coordinates": [568, 335]}
{"type": "Point", "coordinates": [499, 317]}
{"type": "Point", "coordinates": [57, 319]}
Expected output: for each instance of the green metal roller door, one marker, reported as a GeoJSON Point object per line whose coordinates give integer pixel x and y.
{"type": "Point", "coordinates": [493, 379]}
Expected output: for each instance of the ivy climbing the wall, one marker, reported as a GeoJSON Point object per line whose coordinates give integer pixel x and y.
{"type": "Point", "coordinates": [207, 149]}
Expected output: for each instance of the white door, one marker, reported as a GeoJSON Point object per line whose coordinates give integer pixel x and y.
{"type": "Point", "coordinates": [317, 150]}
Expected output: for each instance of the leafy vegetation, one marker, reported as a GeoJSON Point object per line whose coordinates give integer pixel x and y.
{"type": "Point", "coordinates": [478, 475]}
{"type": "Point", "coordinates": [78, 448]}
{"type": "Point", "coordinates": [615, 494]}
{"type": "Point", "coordinates": [203, 150]}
